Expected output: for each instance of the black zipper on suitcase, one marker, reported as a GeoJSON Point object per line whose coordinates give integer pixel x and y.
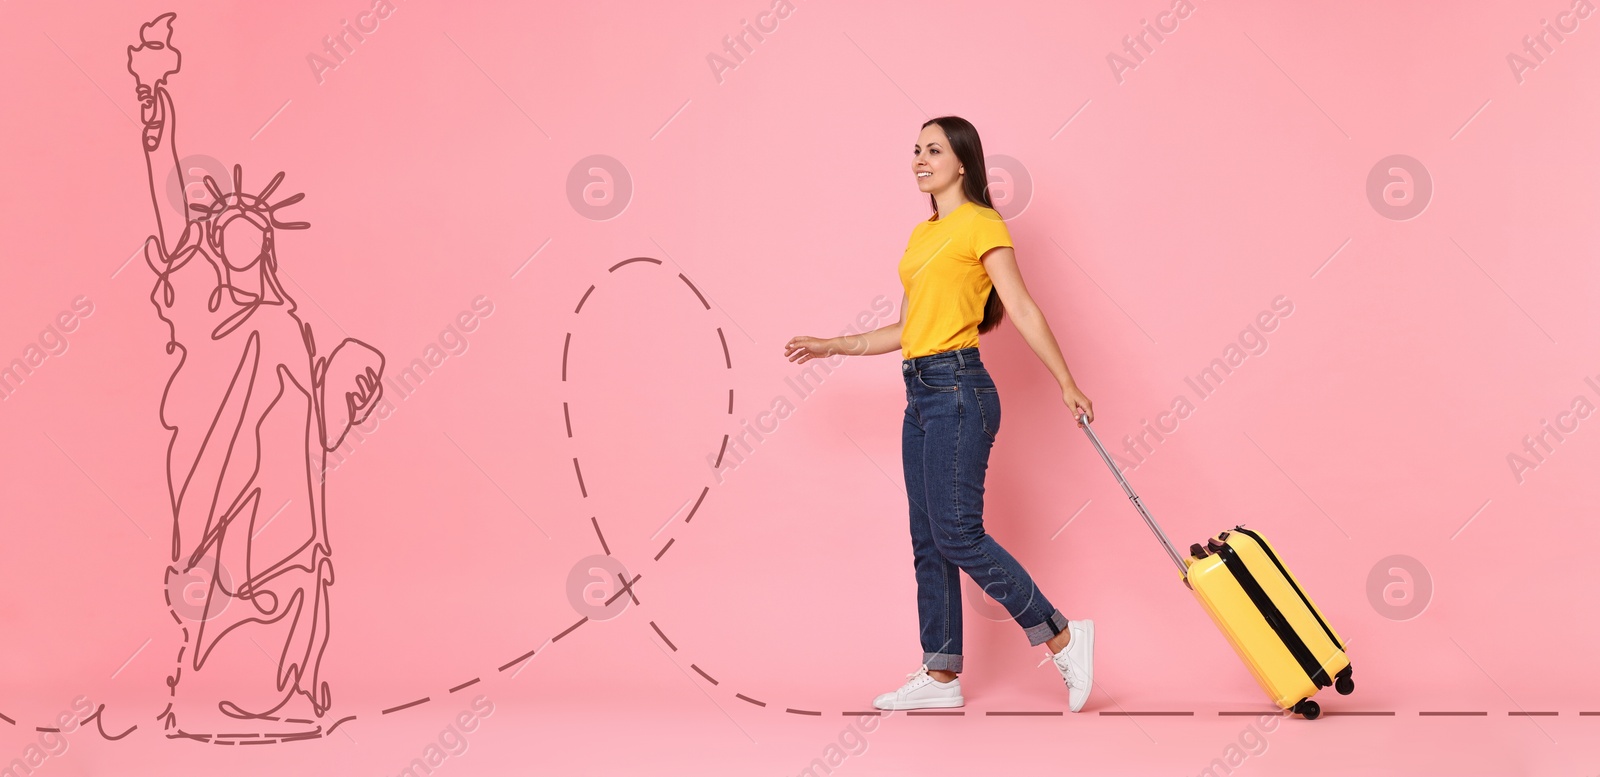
{"type": "Point", "coordinates": [1280, 625]}
{"type": "Point", "coordinates": [1286, 576]}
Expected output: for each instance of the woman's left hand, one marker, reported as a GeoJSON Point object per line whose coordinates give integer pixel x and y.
{"type": "Point", "coordinates": [1077, 403]}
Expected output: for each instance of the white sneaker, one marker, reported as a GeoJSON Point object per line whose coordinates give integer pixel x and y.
{"type": "Point", "coordinates": [921, 691]}
{"type": "Point", "coordinates": [1076, 663]}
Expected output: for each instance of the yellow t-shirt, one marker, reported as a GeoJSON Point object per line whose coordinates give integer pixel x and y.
{"type": "Point", "coordinates": [945, 282]}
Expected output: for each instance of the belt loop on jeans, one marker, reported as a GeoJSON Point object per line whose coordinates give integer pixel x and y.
{"type": "Point", "coordinates": [961, 359]}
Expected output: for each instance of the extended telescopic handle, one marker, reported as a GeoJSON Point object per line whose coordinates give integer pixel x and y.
{"type": "Point", "coordinates": [1132, 497]}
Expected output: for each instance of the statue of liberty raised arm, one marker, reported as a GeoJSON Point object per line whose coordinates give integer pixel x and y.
{"type": "Point", "coordinates": [253, 410]}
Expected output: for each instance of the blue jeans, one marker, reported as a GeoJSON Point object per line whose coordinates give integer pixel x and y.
{"type": "Point", "coordinates": [952, 417]}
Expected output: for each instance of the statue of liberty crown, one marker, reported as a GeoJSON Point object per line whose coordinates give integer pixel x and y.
{"type": "Point", "coordinates": [225, 207]}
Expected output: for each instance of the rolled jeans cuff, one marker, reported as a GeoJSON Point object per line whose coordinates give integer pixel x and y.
{"type": "Point", "coordinates": [1040, 634]}
{"type": "Point", "coordinates": [945, 662]}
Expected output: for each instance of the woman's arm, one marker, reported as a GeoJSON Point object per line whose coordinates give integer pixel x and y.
{"type": "Point", "coordinates": [1001, 264]}
{"type": "Point", "coordinates": [881, 340]}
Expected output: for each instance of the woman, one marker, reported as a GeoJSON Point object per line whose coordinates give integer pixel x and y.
{"type": "Point", "coordinates": [959, 273]}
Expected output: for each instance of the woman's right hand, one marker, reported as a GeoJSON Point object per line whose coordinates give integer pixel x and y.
{"type": "Point", "coordinates": [802, 349]}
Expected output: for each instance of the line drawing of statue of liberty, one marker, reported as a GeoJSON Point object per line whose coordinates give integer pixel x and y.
{"type": "Point", "coordinates": [253, 408]}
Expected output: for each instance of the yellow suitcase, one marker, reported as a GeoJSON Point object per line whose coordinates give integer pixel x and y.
{"type": "Point", "coordinates": [1262, 610]}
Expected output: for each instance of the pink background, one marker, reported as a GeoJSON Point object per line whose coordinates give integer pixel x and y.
{"type": "Point", "coordinates": [1223, 172]}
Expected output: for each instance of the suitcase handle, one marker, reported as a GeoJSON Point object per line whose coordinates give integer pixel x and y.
{"type": "Point", "coordinates": [1183, 569]}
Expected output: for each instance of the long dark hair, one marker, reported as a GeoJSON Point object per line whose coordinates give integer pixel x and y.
{"type": "Point", "coordinates": [975, 184]}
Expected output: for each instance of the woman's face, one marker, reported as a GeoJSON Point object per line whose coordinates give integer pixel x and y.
{"type": "Point", "coordinates": [935, 165]}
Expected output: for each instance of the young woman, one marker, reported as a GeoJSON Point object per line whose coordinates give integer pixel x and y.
{"type": "Point", "coordinates": [959, 273]}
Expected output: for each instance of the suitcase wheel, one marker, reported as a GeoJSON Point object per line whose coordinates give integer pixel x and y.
{"type": "Point", "coordinates": [1306, 708]}
{"type": "Point", "coordinates": [1344, 685]}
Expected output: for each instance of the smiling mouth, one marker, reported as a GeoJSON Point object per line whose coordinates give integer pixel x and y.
{"type": "Point", "coordinates": [924, 175]}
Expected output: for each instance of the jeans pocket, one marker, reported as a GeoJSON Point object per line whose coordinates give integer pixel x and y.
{"type": "Point", "coordinates": [938, 380]}
{"type": "Point", "coordinates": [989, 410]}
